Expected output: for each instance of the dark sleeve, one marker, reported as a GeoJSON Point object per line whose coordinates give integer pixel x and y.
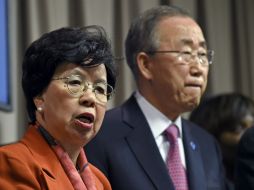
{"type": "Point", "coordinates": [96, 154]}
{"type": "Point", "coordinates": [245, 162]}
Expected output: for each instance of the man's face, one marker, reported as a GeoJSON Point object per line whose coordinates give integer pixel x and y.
{"type": "Point", "coordinates": [177, 85]}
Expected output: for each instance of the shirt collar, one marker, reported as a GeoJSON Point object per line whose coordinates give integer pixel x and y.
{"type": "Point", "coordinates": [157, 121]}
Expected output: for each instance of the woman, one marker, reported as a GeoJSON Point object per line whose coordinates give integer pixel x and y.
{"type": "Point", "coordinates": [226, 117]}
{"type": "Point", "coordinates": [68, 77]}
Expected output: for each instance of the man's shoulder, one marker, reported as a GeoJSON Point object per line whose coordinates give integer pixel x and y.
{"type": "Point", "coordinates": [197, 131]}
{"type": "Point", "coordinates": [112, 117]}
{"type": "Point", "coordinates": [113, 123]}
{"type": "Point", "coordinates": [117, 113]}
{"type": "Point", "coordinates": [119, 121]}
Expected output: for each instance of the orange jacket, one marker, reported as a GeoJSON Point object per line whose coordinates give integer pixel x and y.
{"type": "Point", "coordinates": [31, 164]}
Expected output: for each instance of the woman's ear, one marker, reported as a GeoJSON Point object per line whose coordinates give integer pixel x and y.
{"type": "Point", "coordinates": [144, 64]}
{"type": "Point", "coordinates": [39, 102]}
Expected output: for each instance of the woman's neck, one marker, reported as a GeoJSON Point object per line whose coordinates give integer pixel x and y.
{"type": "Point", "coordinates": [72, 151]}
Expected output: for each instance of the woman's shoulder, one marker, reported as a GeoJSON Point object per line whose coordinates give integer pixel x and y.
{"type": "Point", "coordinates": [24, 149]}
{"type": "Point", "coordinates": [15, 150]}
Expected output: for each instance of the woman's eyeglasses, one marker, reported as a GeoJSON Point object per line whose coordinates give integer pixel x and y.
{"type": "Point", "coordinates": [77, 86]}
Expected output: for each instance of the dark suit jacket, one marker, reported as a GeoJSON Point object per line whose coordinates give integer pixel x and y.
{"type": "Point", "coordinates": [32, 165]}
{"type": "Point", "coordinates": [126, 151]}
{"type": "Point", "coordinates": [245, 162]}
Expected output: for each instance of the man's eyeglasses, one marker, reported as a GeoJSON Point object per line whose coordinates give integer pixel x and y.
{"type": "Point", "coordinates": [205, 58]}
{"type": "Point", "coordinates": [77, 86]}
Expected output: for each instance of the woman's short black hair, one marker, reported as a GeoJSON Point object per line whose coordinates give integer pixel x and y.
{"type": "Point", "coordinates": [224, 112]}
{"type": "Point", "coordinates": [85, 46]}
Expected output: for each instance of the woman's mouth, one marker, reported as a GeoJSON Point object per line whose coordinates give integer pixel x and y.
{"type": "Point", "coordinates": [84, 120]}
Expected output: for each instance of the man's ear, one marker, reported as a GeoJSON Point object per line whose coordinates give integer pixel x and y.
{"type": "Point", "coordinates": [144, 65]}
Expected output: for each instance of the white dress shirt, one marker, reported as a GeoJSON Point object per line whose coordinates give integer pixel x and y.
{"type": "Point", "coordinates": [158, 123]}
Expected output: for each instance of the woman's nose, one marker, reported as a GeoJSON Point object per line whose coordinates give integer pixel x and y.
{"type": "Point", "coordinates": [88, 97]}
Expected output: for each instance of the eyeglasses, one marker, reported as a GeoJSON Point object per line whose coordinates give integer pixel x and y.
{"type": "Point", "coordinates": [205, 58]}
{"type": "Point", "coordinates": [77, 86]}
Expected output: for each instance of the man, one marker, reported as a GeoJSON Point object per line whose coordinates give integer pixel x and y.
{"type": "Point", "coordinates": [167, 53]}
{"type": "Point", "coordinates": [244, 161]}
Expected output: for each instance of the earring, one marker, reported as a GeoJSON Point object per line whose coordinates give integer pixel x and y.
{"type": "Point", "coordinates": [39, 109]}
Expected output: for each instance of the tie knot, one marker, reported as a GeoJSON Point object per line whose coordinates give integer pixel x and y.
{"type": "Point", "coordinates": [172, 132]}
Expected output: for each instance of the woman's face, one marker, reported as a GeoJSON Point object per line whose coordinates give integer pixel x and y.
{"type": "Point", "coordinates": [69, 118]}
{"type": "Point", "coordinates": [230, 139]}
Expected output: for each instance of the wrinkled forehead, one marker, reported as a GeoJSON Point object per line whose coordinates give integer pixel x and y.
{"type": "Point", "coordinates": [180, 31]}
{"type": "Point", "coordinates": [191, 42]}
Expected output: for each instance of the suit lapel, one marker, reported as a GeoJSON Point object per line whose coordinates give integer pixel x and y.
{"type": "Point", "coordinates": [143, 145]}
{"type": "Point", "coordinates": [194, 162]}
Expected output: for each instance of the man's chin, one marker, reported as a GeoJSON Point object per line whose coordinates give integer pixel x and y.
{"type": "Point", "coordinates": [192, 104]}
